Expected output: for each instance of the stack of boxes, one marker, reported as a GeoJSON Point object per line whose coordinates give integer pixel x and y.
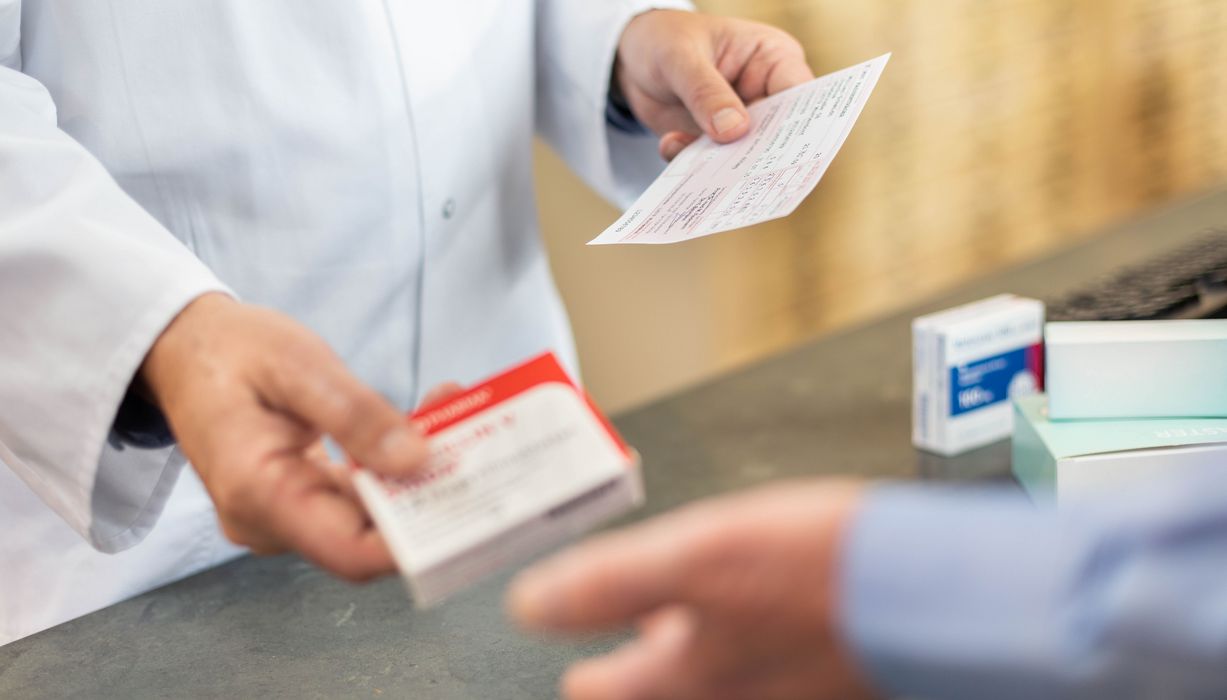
{"type": "Point", "coordinates": [1125, 400]}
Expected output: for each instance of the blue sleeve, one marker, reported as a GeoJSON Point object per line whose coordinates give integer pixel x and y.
{"type": "Point", "coordinates": [951, 593]}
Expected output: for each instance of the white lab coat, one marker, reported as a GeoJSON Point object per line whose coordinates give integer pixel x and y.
{"type": "Point", "coordinates": [363, 165]}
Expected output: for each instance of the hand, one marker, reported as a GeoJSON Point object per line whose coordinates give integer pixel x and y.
{"type": "Point", "coordinates": [249, 393]}
{"type": "Point", "coordinates": [685, 73]}
{"type": "Point", "coordinates": [440, 393]}
{"type": "Point", "coordinates": [734, 598]}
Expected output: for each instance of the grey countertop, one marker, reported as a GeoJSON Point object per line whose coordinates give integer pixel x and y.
{"type": "Point", "coordinates": [279, 627]}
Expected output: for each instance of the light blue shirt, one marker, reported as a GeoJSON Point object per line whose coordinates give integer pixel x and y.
{"type": "Point", "coordinates": [977, 593]}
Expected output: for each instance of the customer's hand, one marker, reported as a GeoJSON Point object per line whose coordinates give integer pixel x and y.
{"type": "Point", "coordinates": [734, 598]}
{"type": "Point", "coordinates": [684, 73]}
{"type": "Point", "coordinates": [249, 393]}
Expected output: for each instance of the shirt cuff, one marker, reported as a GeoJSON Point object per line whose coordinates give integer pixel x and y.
{"type": "Point", "coordinates": [618, 114]}
{"type": "Point", "coordinates": [139, 423]}
{"type": "Point", "coordinates": [955, 593]}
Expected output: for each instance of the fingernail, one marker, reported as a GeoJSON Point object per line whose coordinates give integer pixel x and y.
{"type": "Point", "coordinates": [402, 443]}
{"type": "Point", "coordinates": [527, 599]}
{"type": "Point", "coordinates": [727, 120]}
{"type": "Point", "coordinates": [671, 148]}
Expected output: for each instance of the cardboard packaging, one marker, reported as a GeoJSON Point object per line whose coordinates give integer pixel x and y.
{"type": "Point", "coordinates": [967, 363]}
{"type": "Point", "coordinates": [518, 463]}
{"type": "Point", "coordinates": [1056, 460]}
{"type": "Point", "coordinates": [1137, 369]}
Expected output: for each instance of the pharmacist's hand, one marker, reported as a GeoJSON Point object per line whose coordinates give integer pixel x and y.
{"type": "Point", "coordinates": [734, 598]}
{"type": "Point", "coordinates": [685, 73]}
{"type": "Point", "coordinates": [440, 393]}
{"type": "Point", "coordinates": [249, 393]}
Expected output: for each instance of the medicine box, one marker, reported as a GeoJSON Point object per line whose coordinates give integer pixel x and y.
{"type": "Point", "coordinates": [967, 363]}
{"type": "Point", "coordinates": [1137, 369]}
{"type": "Point", "coordinates": [1056, 460]}
{"type": "Point", "coordinates": [517, 464]}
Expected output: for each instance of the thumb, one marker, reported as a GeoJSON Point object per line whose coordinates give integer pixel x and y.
{"type": "Point", "coordinates": [711, 101]}
{"type": "Point", "coordinates": [323, 394]}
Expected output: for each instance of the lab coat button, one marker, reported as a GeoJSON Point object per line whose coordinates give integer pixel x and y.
{"type": "Point", "coordinates": [449, 208]}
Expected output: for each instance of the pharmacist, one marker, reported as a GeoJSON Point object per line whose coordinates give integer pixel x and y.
{"type": "Point", "coordinates": [358, 173]}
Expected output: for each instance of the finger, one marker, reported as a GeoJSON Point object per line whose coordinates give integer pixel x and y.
{"type": "Point", "coordinates": [341, 478]}
{"type": "Point", "coordinates": [652, 666]}
{"type": "Point", "coordinates": [440, 393]}
{"type": "Point", "coordinates": [773, 69]}
{"type": "Point", "coordinates": [264, 550]}
{"type": "Point", "coordinates": [339, 474]}
{"type": "Point", "coordinates": [789, 73]}
{"type": "Point", "coordinates": [328, 527]}
{"type": "Point", "coordinates": [716, 108]}
{"type": "Point", "coordinates": [258, 542]}
{"type": "Point", "coordinates": [673, 142]}
{"type": "Point", "coordinates": [319, 390]}
{"type": "Point", "coordinates": [608, 582]}
{"type": "Point", "coordinates": [808, 676]}
{"type": "Point", "coordinates": [354, 550]}
{"type": "Point", "coordinates": [318, 455]}
{"type": "Point", "coordinates": [662, 119]}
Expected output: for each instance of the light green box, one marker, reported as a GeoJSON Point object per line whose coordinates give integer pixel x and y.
{"type": "Point", "coordinates": [1055, 460]}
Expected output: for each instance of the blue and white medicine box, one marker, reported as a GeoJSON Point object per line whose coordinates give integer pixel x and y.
{"type": "Point", "coordinates": [968, 362]}
{"type": "Point", "coordinates": [1137, 369]}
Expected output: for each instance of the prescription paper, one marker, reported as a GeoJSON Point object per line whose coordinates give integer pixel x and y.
{"type": "Point", "coordinates": [709, 188]}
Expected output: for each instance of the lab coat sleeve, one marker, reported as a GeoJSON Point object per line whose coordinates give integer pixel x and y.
{"type": "Point", "coordinates": [577, 41]}
{"type": "Point", "coordinates": [88, 280]}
